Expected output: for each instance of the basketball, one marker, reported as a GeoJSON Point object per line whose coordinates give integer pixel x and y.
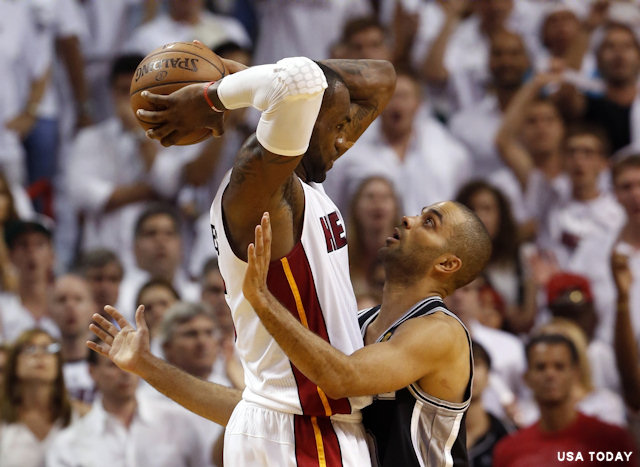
{"type": "Point", "coordinates": [169, 68]}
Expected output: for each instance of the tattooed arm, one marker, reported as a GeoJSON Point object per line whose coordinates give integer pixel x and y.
{"type": "Point", "coordinates": [371, 84]}
{"type": "Point", "coordinates": [262, 181]}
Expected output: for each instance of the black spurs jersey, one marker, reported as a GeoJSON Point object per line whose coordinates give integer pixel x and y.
{"type": "Point", "coordinates": [411, 427]}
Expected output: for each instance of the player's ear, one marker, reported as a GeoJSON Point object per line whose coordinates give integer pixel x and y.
{"type": "Point", "coordinates": [448, 264]}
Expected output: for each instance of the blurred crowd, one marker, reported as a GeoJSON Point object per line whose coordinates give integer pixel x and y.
{"type": "Point", "coordinates": [526, 111]}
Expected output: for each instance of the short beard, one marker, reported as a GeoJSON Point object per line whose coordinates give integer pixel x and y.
{"type": "Point", "coordinates": [401, 268]}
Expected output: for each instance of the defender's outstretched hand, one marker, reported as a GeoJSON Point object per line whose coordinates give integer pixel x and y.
{"type": "Point", "coordinates": [254, 286]}
{"type": "Point", "coordinates": [127, 346]}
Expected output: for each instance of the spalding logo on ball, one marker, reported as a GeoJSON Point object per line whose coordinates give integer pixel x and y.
{"type": "Point", "coordinates": [169, 68]}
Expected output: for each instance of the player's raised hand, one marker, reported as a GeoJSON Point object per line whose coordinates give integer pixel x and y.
{"type": "Point", "coordinates": [254, 286]}
{"type": "Point", "coordinates": [122, 344]}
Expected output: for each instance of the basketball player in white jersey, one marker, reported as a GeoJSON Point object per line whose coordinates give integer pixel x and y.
{"type": "Point", "coordinates": [417, 354]}
{"type": "Point", "coordinates": [311, 114]}
{"type": "Point", "coordinates": [418, 358]}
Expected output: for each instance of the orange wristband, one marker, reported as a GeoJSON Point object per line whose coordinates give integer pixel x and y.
{"type": "Point", "coordinates": [206, 98]}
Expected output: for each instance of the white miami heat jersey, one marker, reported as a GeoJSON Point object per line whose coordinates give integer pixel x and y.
{"type": "Point", "coordinates": [313, 283]}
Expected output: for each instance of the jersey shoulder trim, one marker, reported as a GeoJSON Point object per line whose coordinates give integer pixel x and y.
{"type": "Point", "coordinates": [366, 316]}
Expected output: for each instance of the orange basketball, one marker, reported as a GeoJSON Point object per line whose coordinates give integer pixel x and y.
{"type": "Point", "coordinates": [169, 68]}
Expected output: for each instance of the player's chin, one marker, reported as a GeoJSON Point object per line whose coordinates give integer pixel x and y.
{"type": "Point", "coordinates": [319, 176]}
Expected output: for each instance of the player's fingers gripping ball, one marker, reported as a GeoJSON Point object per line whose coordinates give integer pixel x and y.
{"type": "Point", "coordinates": [169, 68]}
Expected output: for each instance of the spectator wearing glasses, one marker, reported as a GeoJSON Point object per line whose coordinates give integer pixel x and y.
{"type": "Point", "coordinates": [34, 405]}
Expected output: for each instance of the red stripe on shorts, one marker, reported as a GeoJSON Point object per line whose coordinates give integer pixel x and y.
{"type": "Point", "coordinates": [316, 442]}
{"type": "Point", "coordinates": [312, 401]}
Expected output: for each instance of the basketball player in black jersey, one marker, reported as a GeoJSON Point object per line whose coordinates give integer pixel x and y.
{"type": "Point", "coordinates": [417, 354]}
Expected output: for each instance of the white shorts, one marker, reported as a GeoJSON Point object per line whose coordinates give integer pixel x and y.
{"type": "Point", "coordinates": [256, 436]}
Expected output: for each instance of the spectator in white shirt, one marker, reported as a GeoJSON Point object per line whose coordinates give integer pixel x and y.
{"type": "Point", "coordinates": [590, 257]}
{"type": "Point", "coordinates": [590, 212]}
{"type": "Point", "coordinates": [122, 429]}
{"type": "Point", "coordinates": [72, 306]}
{"type": "Point", "coordinates": [31, 252]}
{"type": "Point", "coordinates": [445, 60]}
{"type": "Point", "coordinates": [406, 145]}
{"type": "Point", "coordinates": [186, 21]}
{"type": "Point", "coordinates": [191, 341]}
{"type": "Point", "coordinates": [529, 142]}
{"type": "Point", "coordinates": [366, 37]}
{"type": "Point", "coordinates": [35, 406]}
{"type": "Point", "coordinates": [566, 30]}
{"type": "Point", "coordinates": [288, 28]}
{"type": "Point", "coordinates": [105, 28]}
{"type": "Point", "coordinates": [477, 126]}
{"type": "Point", "coordinates": [25, 73]}
{"type": "Point", "coordinates": [112, 170]}
{"type": "Point", "coordinates": [158, 253]}
{"type": "Point", "coordinates": [103, 271]}
{"type": "Point", "coordinates": [157, 295]}
{"type": "Point", "coordinates": [617, 108]}
{"type": "Point", "coordinates": [59, 29]}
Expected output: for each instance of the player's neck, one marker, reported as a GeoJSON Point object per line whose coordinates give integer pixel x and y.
{"type": "Point", "coordinates": [301, 173]}
{"type": "Point", "coordinates": [398, 297]}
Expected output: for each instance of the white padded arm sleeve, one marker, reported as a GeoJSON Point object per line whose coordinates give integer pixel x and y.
{"type": "Point", "coordinates": [289, 94]}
